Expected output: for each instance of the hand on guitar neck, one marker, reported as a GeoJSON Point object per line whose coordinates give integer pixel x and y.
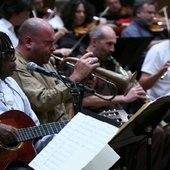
{"type": "Point", "coordinates": [23, 149]}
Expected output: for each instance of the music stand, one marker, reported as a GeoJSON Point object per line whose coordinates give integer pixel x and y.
{"type": "Point", "coordinates": [142, 124]}
{"type": "Point", "coordinates": [128, 51]}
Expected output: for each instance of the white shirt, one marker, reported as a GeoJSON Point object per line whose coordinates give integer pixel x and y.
{"type": "Point", "coordinates": [156, 57]}
{"type": "Point", "coordinates": [56, 22]}
{"type": "Point", "coordinates": [8, 28]}
{"type": "Point", "coordinates": [13, 98]}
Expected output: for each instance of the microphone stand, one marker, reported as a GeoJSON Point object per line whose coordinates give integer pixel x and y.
{"type": "Point", "coordinates": [77, 89]}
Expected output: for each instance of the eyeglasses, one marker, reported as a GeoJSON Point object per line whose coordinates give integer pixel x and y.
{"type": "Point", "coordinates": [8, 55]}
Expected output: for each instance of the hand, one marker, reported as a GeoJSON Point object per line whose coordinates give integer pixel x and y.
{"type": "Point", "coordinates": [136, 92]}
{"type": "Point", "coordinates": [84, 67]}
{"type": "Point", "coordinates": [102, 21]}
{"type": "Point", "coordinates": [60, 33]}
{"type": "Point", "coordinates": [64, 52]}
{"type": "Point", "coordinates": [165, 68]}
{"type": "Point", "coordinates": [8, 134]}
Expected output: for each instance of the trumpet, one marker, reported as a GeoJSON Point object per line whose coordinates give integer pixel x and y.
{"type": "Point", "coordinates": [70, 62]}
{"type": "Point", "coordinates": [119, 81]}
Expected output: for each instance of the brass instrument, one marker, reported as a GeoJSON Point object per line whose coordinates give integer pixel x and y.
{"type": "Point", "coordinates": [121, 82]}
{"type": "Point", "coordinates": [118, 67]}
{"type": "Point", "coordinates": [70, 61]}
{"type": "Point", "coordinates": [148, 101]}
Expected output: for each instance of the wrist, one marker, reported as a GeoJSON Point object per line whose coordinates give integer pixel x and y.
{"type": "Point", "coordinates": [119, 99]}
{"type": "Point", "coordinates": [75, 77]}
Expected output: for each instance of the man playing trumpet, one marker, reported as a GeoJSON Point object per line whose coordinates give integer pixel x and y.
{"type": "Point", "coordinates": [102, 41]}
{"type": "Point", "coordinates": [49, 97]}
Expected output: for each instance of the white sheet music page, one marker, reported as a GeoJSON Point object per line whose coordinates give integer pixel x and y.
{"type": "Point", "coordinates": [76, 145]}
{"type": "Point", "coordinates": [104, 160]}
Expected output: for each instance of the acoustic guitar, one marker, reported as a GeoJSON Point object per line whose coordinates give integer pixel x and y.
{"type": "Point", "coordinates": [23, 150]}
{"type": "Point", "coordinates": [118, 115]}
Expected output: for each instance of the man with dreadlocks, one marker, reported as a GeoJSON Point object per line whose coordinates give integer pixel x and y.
{"type": "Point", "coordinates": [12, 98]}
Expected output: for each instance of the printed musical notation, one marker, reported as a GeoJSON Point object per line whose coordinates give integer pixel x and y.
{"type": "Point", "coordinates": [78, 143]}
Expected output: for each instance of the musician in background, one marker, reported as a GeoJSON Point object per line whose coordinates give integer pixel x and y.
{"type": "Point", "coordinates": [144, 14]}
{"type": "Point", "coordinates": [13, 98]}
{"type": "Point", "coordinates": [77, 16]}
{"type": "Point", "coordinates": [118, 15]}
{"type": "Point", "coordinates": [50, 98]}
{"type": "Point", "coordinates": [56, 21]}
{"type": "Point", "coordinates": [13, 14]}
{"type": "Point", "coordinates": [39, 10]}
{"type": "Point", "coordinates": [117, 11]}
{"type": "Point", "coordinates": [102, 41]}
{"type": "Point", "coordinates": [155, 75]}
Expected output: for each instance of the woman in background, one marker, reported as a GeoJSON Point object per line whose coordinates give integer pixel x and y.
{"type": "Point", "coordinates": [77, 16]}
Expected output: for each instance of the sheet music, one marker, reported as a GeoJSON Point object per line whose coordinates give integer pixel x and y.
{"type": "Point", "coordinates": [104, 160]}
{"type": "Point", "coordinates": [76, 145]}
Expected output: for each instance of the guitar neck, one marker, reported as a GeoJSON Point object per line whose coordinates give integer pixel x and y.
{"type": "Point", "coordinates": [34, 132]}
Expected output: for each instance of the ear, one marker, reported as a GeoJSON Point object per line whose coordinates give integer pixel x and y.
{"type": "Point", "coordinates": [28, 42]}
{"type": "Point", "coordinates": [93, 41]}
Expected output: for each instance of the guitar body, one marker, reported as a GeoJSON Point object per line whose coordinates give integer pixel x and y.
{"type": "Point", "coordinates": [23, 151]}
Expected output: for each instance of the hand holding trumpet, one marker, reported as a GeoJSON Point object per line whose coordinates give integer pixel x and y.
{"type": "Point", "coordinates": [136, 92]}
{"type": "Point", "coordinates": [84, 66]}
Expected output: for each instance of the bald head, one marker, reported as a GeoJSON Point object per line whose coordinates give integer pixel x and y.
{"type": "Point", "coordinates": [34, 27]}
{"type": "Point", "coordinates": [101, 31]}
{"type": "Point", "coordinates": [36, 40]}
{"type": "Point", "coordinates": [102, 41]}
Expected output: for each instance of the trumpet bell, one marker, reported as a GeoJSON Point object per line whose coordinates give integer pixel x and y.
{"type": "Point", "coordinates": [123, 83]}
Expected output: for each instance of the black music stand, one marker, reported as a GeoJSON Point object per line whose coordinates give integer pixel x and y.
{"type": "Point", "coordinates": [142, 124]}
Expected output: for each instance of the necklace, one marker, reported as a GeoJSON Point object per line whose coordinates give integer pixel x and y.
{"type": "Point", "coordinates": [7, 103]}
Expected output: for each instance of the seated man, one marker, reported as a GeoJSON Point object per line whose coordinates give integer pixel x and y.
{"type": "Point", "coordinates": [117, 14]}
{"type": "Point", "coordinates": [49, 97]}
{"type": "Point", "coordinates": [144, 14]}
{"type": "Point", "coordinates": [13, 14]}
{"type": "Point", "coordinates": [155, 71]}
{"type": "Point", "coordinates": [13, 98]}
{"type": "Point", "coordinates": [102, 41]}
{"type": "Point", "coordinates": [155, 75]}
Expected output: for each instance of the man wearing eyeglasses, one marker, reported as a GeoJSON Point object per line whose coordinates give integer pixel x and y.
{"type": "Point", "coordinates": [11, 98]}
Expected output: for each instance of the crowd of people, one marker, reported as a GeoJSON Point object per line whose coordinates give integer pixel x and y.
{"type": "Point", "coordinates": [29, 34]}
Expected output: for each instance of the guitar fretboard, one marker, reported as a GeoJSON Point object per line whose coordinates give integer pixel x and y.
{"type": "Point", "coordinates": [34, 132]}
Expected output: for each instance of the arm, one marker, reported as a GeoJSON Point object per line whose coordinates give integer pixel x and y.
{"type": "Point", "coordinates": [41, 90]}
{"type": "Point", "coordinates": [135, 93]}
{"type": "Point", "coordinates": [148, 80]}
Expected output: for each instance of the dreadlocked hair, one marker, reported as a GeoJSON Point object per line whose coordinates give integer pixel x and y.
{"type": "Point", "coordinates": [5, 46]}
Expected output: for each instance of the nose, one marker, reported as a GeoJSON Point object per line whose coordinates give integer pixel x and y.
{"type": "Point", "coordinates": [52, 48]}
{"type": "Point", "coordinates": [82, 13]}
{"type": "Point", "coordinates": [112, 48]}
